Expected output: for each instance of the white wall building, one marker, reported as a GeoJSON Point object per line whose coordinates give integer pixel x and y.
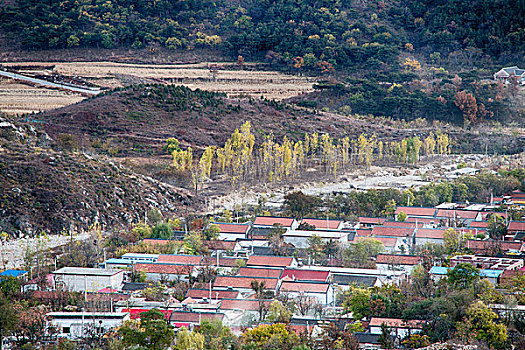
{"type": "Point", "coordinates": [75, 325]}
{"type": "Point", "coordinates": [83, 279]}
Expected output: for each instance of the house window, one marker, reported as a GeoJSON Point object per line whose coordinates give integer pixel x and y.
{"type": "Point", "coordinates": [66, 330]}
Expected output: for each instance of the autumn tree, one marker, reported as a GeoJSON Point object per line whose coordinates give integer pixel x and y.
{"type": "Point", "coordinates": [151, 332]}
{"type": "Point", "coordinates": [466, 102]}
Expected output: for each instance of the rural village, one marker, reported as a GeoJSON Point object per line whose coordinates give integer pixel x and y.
{"type": "Point", "coordinates": [262, 175]}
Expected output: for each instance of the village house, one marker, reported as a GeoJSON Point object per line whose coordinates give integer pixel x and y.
{"type": "Point", "coordinates": [366, 222]}
{"type": "Point", "coordinates": [324, 224]}
{"type": "Point", "coordinates": [397, 262]}
{"type": "Point", "coordinates": [157, 272]}
{"type": "Point", "coordinates": [267, 272]}
{"type": "Point", "coordinates": [244, 284]}
{"type": "Point", "coordinates": [232, 231]}
{"type": "Point", "coordinates": [189, 320]}
{"type": "Point", "coordinates": [76, 325]}
{"type": "Point", "coordinates": [83, 279]}
{"type": "Point", "coordinates": [423, 236]}
{"type": "Point", "coordinates": [271, 261]}
{"type": "Point", "coordinates": [509, 74]}
{"type": "Point", "coordinates": [270, 221]}
{"type": "Point", "coordinates": [487, 263]}
{"type": "Point", "coordinates": [211, 294]}
{"type": "Point", "coordinates": [299, 239]}
{"type": "Point", "coordinates": [322, 293]}
{"type": "Point", "coordinates": [305, 275]}
{"type": "Point", "coordinates": [344, 281]}
{"type": "Point", "coordinates": [399, 328]}
{"type": "Point", "coordinates": [437, 273]}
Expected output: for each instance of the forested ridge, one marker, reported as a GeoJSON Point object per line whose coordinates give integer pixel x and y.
{"type": "Point", "coordinates": [311, 34]}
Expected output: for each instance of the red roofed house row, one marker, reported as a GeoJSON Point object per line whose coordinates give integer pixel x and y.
{"type": "Point", "coordinates": [260, 272]}
{"type": "Point", "coordinates": [267, 221]}
{"type": "Point", "coordinates": [429, 235]}
{"type": "Point", "coordinates": [305, 275]}
{"type": "Point", "coordinates": [491, 246]}
{"type": "Point", "coordinates": [180, 259]}
{"type": "Point", "coordinates": [232, 232]}
{"type": "Point", "coordinates": [196, 294]}
{"type": "Point", "coordinates": [365, 221]}
{"type": "Point", "coordinates": [271, 261]}
{"type": "Point", "coordinates": [458, 214]}
{"type": "Point", "coordinates": [244, 284]}
{"type": "Point", "coordinates": [160, 271]}
{"type": "Point", "coordinates": [385, 231]}
{"type": "Point", "coordinates": [516, 226]}
{"type": "Point", "coordinates": [394, 262]}
{"type": "Point", "coordinates": [323, 224]}
{"type": "Point", "coordinates": [417, 211]}
{"type": "Point", "coordinates": [322, 293]}
{"type": "Point", "coordinates": [242, 304]}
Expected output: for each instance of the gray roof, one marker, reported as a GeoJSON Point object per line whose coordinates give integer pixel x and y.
{"type": "Point", "coordinates": [87, 271]}
{"type": "Point", "coordinates": [514, 70]}
{"type": "Point", "coordinates": [345, 280]}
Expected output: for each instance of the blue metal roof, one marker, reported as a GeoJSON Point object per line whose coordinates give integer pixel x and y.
{"type": "Point", "coordinates": [442, 270]}
{"type": "Point", "coordinates": [438, 270]}
{"type": "Point", "coordinates": [118, 261]}
{"type": "Point", "coordinates": [490, 273]}
{"type": "Point", "coordinates": [13, 273]}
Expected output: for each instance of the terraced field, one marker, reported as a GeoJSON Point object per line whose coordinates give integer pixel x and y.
{"type": "Point", "coordinates": [219, 77]}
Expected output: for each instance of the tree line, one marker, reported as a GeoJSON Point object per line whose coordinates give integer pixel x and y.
{"type": "Point", "coordinates": [242, 161]}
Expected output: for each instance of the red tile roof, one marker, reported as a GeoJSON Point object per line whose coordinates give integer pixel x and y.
{"type": "Point", "coordinates": [243, 282]}
{"type": "Point", "coordinates": [362, 232]}
{"type": "Point", "coordinates": [260, 272]}
{"type": "Point", "coordinates": [305, 275]}
{"type": "Point", "coordinates": [371, 221]}
{"type": "Point", "coordinates": [489, 244]}
{"type": "Point", "coordinates": [395, 322]}
{"type": "Point", "coordinates": [515, 226]}
{"type": "Point", "coordinates": [398, 259]}
{"type": "Point", "coordinates": [392, 231]}
{"type": "Point", "coordinates": [478, 224]}
{"type": "Point", "coordinates": [164, 268]}
{"type": "Point", "coordinates": [416, 211]}
{"type": "Point", "coordinates": [323, 223]}
{"type": "Point", "coordinates": [430, 233]}
{"type": "Point", "coordinates": [426, 221]}
{"type": "Point", "coordinates": [215, 294]}
{"type": "Point", "coordinates": [263, 260]}
{"type": "Point", "coordinates": [223, 261]}
{"type": "Point", "coordinates": [180, 259]}
{"type": "Point", "coordinates": [462, 214]}
{"type": "Point", "coordinates": [304, 287]}
{"type": "Point", "coordinates": [233, 228]}
{"type": "Point", "coordinates": [403, 224]}
{"type": "Point", "coordinates": [219, 245]}
{"type": "Point", "coordinates": [242, 304]}
{"type": "Point", "coordinates": [270, 221]}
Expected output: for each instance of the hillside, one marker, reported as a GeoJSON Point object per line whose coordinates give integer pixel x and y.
{"type": "Point", "coordinates": [303, 35]}
{"type": "Point", "coordinates": [137, 120]}
{"type": "Point", "coordinates": [45, 189]}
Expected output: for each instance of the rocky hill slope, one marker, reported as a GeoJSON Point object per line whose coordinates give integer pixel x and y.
{"type": "Point", "coordinates": [47, 189]}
